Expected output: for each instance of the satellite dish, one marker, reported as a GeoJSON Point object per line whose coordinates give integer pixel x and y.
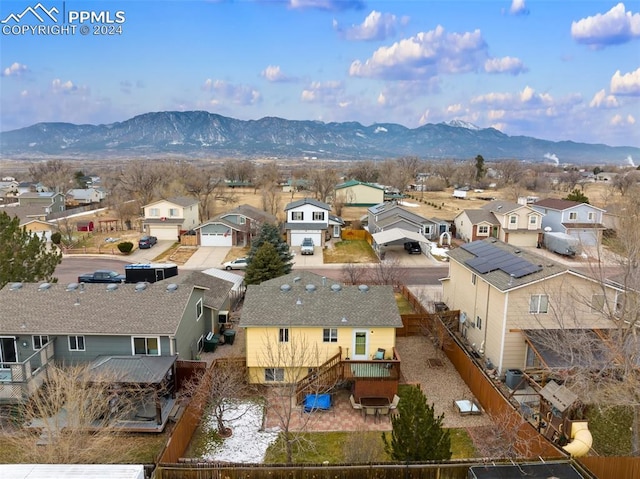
{"type": "Point", "coordinates": [547, 229]}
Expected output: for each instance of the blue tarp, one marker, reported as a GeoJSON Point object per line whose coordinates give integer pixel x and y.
{"type": "Point", "coordinates": [314, 402]}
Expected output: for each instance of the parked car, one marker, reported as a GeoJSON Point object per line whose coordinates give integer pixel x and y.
{"type": "Point", "coordinates": [238, 263]}
{"type": "Point", "coordinates": [307, 246]}
{"type": "Point", "coordinates": [413, 247]}
{"type": "Point", "coordinates": [102, 276]}
{"type": "Point", "coordinates": [147, 242]}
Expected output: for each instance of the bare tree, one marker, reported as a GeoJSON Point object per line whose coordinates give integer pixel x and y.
{"type": "Point", "coordinates": [141, 180]}
{"type": "Point", "coordinates": [55, 174]}
{"type": "Point", "coordinates": [503, 439]}
{"type": "Point", "coordinates": [323, 182]}
{"type": "Point", "coordinates": [74, 418]}
{"type": "Point", "coordinates": [387, 271]}
{"type": "Point", "coordinates": [365, 171]}
{"type": "Point", "coordinates": [203, 184]}
{"type": "Point", "coordinates": [239, 170]}
{"type": "Point", "coordinates": [510, 171]}
{"type": "Point", "coordinates": [446, 170]}
{"type": "Point", "coordinates": [353, 273]}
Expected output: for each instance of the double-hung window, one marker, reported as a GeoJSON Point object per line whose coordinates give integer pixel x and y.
{"type": "Point", "coordinates": [274, 374]}
{"type": "Point", "coordinates": [199, 310]}
{"type": "Point", "coordinates": [283, 335]}
{"type": "Point", "coordinates": [40, 341]}
{"type": "Point", "coordinates": [146, 346]}
{"type": "Point", "coordinates": [483, 230]}
{"type": "Point", "coordinates": [539, 303]}
{"type": "Point", "coordinates": [330, 335]}
{"type": "Point", "coordinates": [76, 343]}
{"type": "Point", "coordinates": [297, 215]}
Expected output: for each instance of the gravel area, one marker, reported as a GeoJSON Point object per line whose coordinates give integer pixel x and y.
{"type": "Point", "coordinates": [441, 383]}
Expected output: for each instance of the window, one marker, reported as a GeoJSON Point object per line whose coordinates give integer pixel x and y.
{"type": "Point", "coordinates": [154, 212]}
{"type": "Point", "coordinates": [40, 341]}
{"type": "Point", "coordinates": [474, 277]}
{"type": "Point", "coordinates": [478, 322]}
{"type": "Point", "coordinates": [513, 220]}
{"type": "Point", "coordinates": [273, 374]}
{"type": "Point", "coordinates": [330, 335]}
{"type": "Point", "coordinates": [591, 216]}
{"type": "Point", "coordinates": [283, 335]}
{"type": "Point", "coordinates": [297, 216]}
{"type": "Point", "coordinates": [483, 230]}
{"type": "Point", "coordinates": [573, 215]}
{"type": "Point", "coordinates": [318, 215]}
{"type": "Point", "coordinates": [427, 230]}
{"type": "Point", "coordinates": [173, 212]}
{"type": "Point", "coordinates": [539, 303]}
{"type": "Point", "coordinates": [199, 310]}
{"type": "Point", "coordinates": [76, 343]}
{"type": "Point", "coordinates": [533, 220]}
{"type": "Point", "coordinates": [146, 346]}
{"type": "Point", "coordinates": [243, 220]}
{"type": "Point", "coordinates": [200, 343]}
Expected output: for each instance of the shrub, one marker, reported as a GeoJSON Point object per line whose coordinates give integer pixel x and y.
{"type": "Point", "coordinates": [125, 247]}
{"type": "Point", "coordinates": [56, 238]}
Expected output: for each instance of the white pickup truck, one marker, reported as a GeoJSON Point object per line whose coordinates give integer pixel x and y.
{"type": "Point", "coordinates": [307, 246]}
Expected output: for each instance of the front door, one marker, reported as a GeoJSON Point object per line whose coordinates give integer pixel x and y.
{"type": "Point", "coordinates": [8, 353]}
{"type": "Point", "coordinates": [360, 344]}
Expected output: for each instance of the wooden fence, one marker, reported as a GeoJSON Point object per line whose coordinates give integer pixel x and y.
{"type": "Point", "coordinates": [348, 234]}
{"type": "Point", "coordinates": [612, 467]}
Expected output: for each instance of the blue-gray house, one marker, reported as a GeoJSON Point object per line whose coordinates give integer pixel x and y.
{"type": "Point", "coordinates": [580, 220]}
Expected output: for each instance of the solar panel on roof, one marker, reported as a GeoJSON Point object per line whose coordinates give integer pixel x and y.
{"type": "Point", "coordinates": [490, 258]}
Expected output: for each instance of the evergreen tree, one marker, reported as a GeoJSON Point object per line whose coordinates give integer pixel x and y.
{"type": "Point", "coordinates": [481, 170]}
{"type": "Point", "coordinates": [265, 264]}
{"type": "Point", "coordinates": [417, 433]}
{"type": "Point", "coordinates": [577, 195]}
{"type": "Point", "coordinates": [271, 234]}
{"type": "Point", "coordinates": [24, 256]}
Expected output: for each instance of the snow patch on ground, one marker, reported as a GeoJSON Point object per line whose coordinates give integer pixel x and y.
{"type": "Point", "coordinates": [406, 203]}
{"type": "Point", "coordinates": [249, 443]}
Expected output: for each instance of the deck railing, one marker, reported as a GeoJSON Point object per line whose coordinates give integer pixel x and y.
{"type": "Point", "coordinates": [19, 380]}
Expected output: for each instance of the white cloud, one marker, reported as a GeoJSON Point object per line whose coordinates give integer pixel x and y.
{"type": "Point", "coordinates": [324, 92]}
{"type": "Point", "coordinates": [58, 86]}
{"type": "Point", "coordinates": [627, 84]}
{"type": "Point", "coordinates": [495, 114]}
{"type": "Point", "coordinates": [377, 26]}
{"type": "Point", "coordinates": [16, 69]}
{"type": "Point", "coordinates": [619, 120]}
{"type": "Point", "coordinates": [425, 55]}
{"type": "Point", "coordinates": [273, 73]}
{"type": "Point", "coordinates": [454, 108]}
{"type": "Point", "coordinates": [424, 118]}
{"type": "Point", "coordinates": [505, 65]}
{"type": "Point", "coordinates": [602, 100]}
{"type": "Point", "coordinates": [236, 94]}
{"type": "Point", "coordinates": [611, 28]}
{"type": "Point", "coordinates": [518, 8]}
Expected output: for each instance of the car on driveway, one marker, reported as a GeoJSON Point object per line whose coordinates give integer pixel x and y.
{"type": "Point", "coordinates": [412, 247]}
{"type": "Point", "coordinates": [238, 263]}
{"type": "Point", "coordinates": [147, 242]}
{"type": "Point", "coordinates": [307, 246]}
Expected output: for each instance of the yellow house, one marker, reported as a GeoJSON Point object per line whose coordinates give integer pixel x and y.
{"type": "Point", "coordinates": [296, 322]}
{"type": "Point", "coordinates": [508, 297]}
{"type": "Point", "coordinates": [357, 193]}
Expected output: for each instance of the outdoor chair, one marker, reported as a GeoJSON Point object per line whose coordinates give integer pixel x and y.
{"type": "Point", "coordinates": [354, 404]}
{"type": "Point", "coordinates": [393, 407]}
{"type": "Point", "coordinates": [383, 411]}
{"type": "Point", "coordinates": [369, 411]}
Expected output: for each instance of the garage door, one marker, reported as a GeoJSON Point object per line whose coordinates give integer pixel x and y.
{"type": "Point", "coordinates": [297, 237]}
{"type": "Point", "coordinates": [164, 233]}
{"type": "Point", "coordinates": [215, 239]}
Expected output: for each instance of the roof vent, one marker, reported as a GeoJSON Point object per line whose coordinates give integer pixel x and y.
{"type": "Point", "coordinates": [336, 287]}
{"type": "Point", "coordinates": [363, 288]}
{"type": "Point", "coordinates": [297, 279]}
{"type": "Point", "coordinates": [72, 286]}
{"type": "Point", "coordinates": [285, 288]}
{"type": "Point", "coordinates": [44, 286]}
{"type": "Point", "coordinates": [141, 286]}
{"type": "Point", "coordinates": [15, 286]}
{"type": "Point", "coordinates": [517, 251]}
{"type": "Point", "coordinates": [112, 286]}
{"type": "Point", "coordinates": [310, 288]}
{"type": "Point", "coordinates": [172, 287]}
{"type": "Point", "coordinates": [324, 281]}
{"type": "Point", "coordinates": [299, 302]}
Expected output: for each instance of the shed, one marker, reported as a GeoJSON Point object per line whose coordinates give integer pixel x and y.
{"type": "Point", "coordinates": [85, 225]}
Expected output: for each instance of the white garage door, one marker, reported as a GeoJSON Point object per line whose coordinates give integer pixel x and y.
{"type": "Point", "coordinates": [215, 239]}
{"type": "Point", "coordinates": [164, 233]}
{"type": "Point", "coordinates": [297, 237]}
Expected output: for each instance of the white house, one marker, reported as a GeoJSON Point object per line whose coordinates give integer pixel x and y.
{"type": "Point", "coordinates": [166, 219]}
{"type": "Point", "coordinates": [309, 218]}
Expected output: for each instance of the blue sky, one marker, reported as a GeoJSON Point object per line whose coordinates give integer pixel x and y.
{"type": "Point", "coordinates": [555, 69]}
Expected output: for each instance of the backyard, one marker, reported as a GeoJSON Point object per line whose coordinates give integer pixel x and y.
{"type": "Point", "coordinates": [350, 251]}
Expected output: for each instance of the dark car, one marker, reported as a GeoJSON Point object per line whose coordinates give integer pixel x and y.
{"type": "Point", "coordinates": [102, 276]}
{"type": "Point", "coordinates": [413, 247]}
{"type": "Point", "coordinates": [147, 242]}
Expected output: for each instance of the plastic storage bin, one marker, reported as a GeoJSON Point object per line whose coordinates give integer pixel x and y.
{"type": "Point", "coordinates": [513, 378]}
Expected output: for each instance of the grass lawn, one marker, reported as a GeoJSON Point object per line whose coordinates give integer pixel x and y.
{"type": "Point", "coordinates": [404, 307]}
{"type": "Point", "coordinates": [611, 430]}
{"type": "Point", "coordinates": [356, 447]}
{"type": "Point", "coordinates": [350, 251]}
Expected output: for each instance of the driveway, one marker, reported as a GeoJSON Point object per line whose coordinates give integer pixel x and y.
{"type": "Point", "coordinates": [147, 255]}
{"type": "Point", "coordinates": [207, 257]}
{"type": "Point", "coordinates": [397, 252]}
{"type": "Point", "coordinates": [305, 261]}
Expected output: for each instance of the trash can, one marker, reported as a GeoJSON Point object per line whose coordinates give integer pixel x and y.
{"type": "Point", "coordinates": [210, 342]}
{"type": "Point", "coordinates": [513, 378]}
{"type": "Point", "coordinates": [229, 336]}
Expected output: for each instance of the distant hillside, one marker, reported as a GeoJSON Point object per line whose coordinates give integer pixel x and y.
{"type": "Point", "coordinates": [203, 134]}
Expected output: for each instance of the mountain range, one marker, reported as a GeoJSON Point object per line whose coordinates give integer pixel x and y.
{"type": "Point", "coordinates": [200, 134]}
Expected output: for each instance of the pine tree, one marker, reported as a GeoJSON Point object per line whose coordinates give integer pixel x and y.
{"type": "Point", "coordinates": [481, 170]}
{"type": "Point", "coordinates": [577, 195]}
{"type": "Point", "coordinates": [270, 234]}
{"type": "Point", "coordinates": [417, 433]}
{"type": "Point", "coordinates": [265, 264]}
{"type": "Point", "coordinates": [24, 256]}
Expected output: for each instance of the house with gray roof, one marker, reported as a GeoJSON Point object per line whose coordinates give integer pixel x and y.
{"type": "Point", "coordinates": [507, 221]}
{"type": "Point", "coordinates": [506, 296]}
{"type": "Point", "coordinates": [322, 316]}
{"type": "Point", "coordinates": [166, 219]}
{"type": "Point", "coordinates": [78, 323]}
{"type": "Point", "coordinates": [236, 227]}
{"type": "Point", "coordinates": [310, 218]}
{"type": "Point", "coordinates": [385, 216]}
{"type": "Point", "coordinates": [580, 220]}
{"type": "Point", "coordinates": [358, 193]}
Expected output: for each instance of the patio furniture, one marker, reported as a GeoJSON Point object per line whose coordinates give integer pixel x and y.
{"type": "Point", "coordinates": [370, 411]}
{"type": "Point", "coordinates": [467, 407]}
{"type": "Point", "coordinates": [394, 404]}
{"type": "Point", "coordinates": [379, 354]}
{"type": "Point", "coordinates": [383, 411]}
{"type": "Point", "coordinates": [354, 404]}
{"type": "Point", "coordinates": [374, 404]}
